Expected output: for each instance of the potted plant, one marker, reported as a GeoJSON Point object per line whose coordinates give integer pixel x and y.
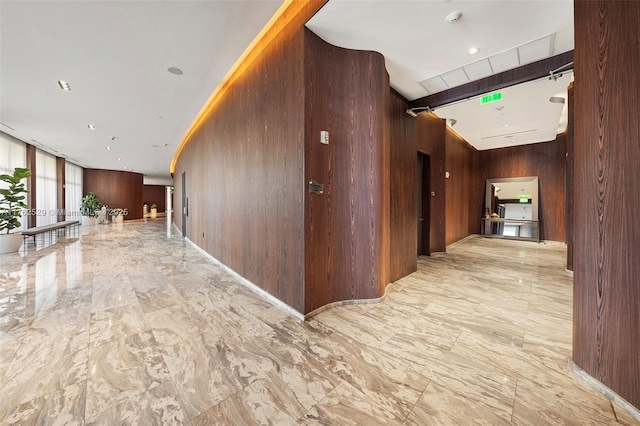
{"type": "Point", "coordinates": [10, 204]}
{"type": "Point", "coordinates": [117, 215]}
{"type": "Point", "coordinates": [90, 208]}
{"type": "Point", "coordinates": [154, 210]}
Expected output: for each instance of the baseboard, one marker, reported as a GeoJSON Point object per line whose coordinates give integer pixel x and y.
{"type": "Point", "coordinates": [600, 387]}
{"type": "Point", "coordinates": [251, 286]}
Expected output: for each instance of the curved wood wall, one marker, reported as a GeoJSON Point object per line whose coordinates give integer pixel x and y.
{"type": "Point", "coordinates": [247, 169]}
{"type": "Point", "coordinates": [346, 228]}
{"type": "Point", "coordinates": [116, 189]}
{"type": "Point", "coordinates": [245, 172]}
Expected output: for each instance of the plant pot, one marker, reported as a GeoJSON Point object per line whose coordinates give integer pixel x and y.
{"type": "Point", "coordinates": [88, 221]}
{"type": "Point", "coordinates": [117, 219]}
{"type": "Point", "coordinates": [10, 243]}
{"type": "Point", "coordinates": [154, 213]}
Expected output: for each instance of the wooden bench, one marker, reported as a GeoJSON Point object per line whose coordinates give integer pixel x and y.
{"type": "Point", "coordinates": [32, 232]}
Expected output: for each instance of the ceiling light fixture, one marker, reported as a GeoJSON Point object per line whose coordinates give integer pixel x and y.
{"type": "Point", "coordinates": [113, 138]}
{"type": "Point", "coordinates": [64, 85]}
{"type": "Point", "coordinates": [473, 51]}
{"type": "Point", "coordinates": [108, 148]}
{"type": "Point", "coordinates": [118, 159]}
{"type": "Point", "coordinates": [174, 70]}
{"type": "Point", "coordinates": [91, 126]}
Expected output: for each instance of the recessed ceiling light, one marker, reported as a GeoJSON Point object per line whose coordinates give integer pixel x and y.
{"type": "Point", "coordinates": [499, 108]}
{"type": "Point", "coordinates": [118, 159]}
{"type": "Point", "coordinates": [166, 144]}
{"type": "Point", "coordinates": [507, 125]}
{"type": "Point", "coordinates": [91, 126]}
{"type": "Point", "coordinates": [64, 85]}
{"type": "Point", "coordinates": [473, 51]}
{"type": "Point", "coordinates": [155, 146]}
{"type": "Point", "coordinates": [113, 138]}
{"type": "Point", "coordinates": [108, 148]}
{"type": "Point", "coordinates": [174, 70]}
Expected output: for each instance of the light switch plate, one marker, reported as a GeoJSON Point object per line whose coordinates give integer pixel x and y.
{"type": "Point", "coordinates": [324, 137]}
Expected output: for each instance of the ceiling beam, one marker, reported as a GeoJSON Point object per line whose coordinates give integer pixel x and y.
{"type": "Point", "coordinates": [499, 81]}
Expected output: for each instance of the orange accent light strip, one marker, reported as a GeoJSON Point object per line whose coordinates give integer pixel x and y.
{"type": "Point", "coordinates": [287, 11]}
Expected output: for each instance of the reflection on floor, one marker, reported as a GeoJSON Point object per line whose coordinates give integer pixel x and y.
{"type": "Point", "coordinates": [126, 326]}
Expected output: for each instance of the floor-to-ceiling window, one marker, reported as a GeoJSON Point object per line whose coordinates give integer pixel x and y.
{"type": "Point", "coordinates": [46, 189]}
{"type": "Point", "coordinates": [13, 154]}
{"type": "Point", "coordinates": [73, 191]}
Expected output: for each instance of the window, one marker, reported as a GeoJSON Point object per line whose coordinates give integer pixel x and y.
{"type": "Point", "coordinates": [46, 189]}
{"type": "Point", "coordinates": [13, 153]}
{"type": "Point", "coordinates": [73, 191]}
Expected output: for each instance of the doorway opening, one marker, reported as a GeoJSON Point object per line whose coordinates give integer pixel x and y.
{"type": "Point", "coordinates": [424, 201]}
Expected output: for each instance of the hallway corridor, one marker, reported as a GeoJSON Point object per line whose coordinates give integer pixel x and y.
{"type": "Point", "coordinates": [126, 326]}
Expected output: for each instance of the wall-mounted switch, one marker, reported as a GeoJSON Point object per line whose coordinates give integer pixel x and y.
{"type": "Point", "coordinates": [315, 187]}
{"type": "Point", "coordinates": [324, 137]}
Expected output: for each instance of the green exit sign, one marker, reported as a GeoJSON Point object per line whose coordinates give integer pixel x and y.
{"type": "Point", "coordinates": [493, 97]}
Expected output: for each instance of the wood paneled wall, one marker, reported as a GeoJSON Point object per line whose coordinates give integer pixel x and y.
{"type": "Point", "coordinates": [116, 189]}
{"type": "Point", "coordinates": [155, 194]}
{"type": "Point", "coordinates": [606, 328]}
{"type": "Point", "coordinates": [245, 171]}
{"type": "Point", "coordinates": [545, 160]}
{"type": "Point", "coordinates": [459, 186]}
{"type": "Point", "coordinates": [346, 228]}
{"type": "Point", "coordinates": [432, 141]}
{"type": "Point", "coordinates": [403, 189]}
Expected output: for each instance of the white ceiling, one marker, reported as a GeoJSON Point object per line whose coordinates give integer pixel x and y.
{"type": "Point", "coordinates": [524, 115]}
{"type": "Point", "coordinates": [115, 55]}
{"type": "Point", "coordinates": [422, 50]}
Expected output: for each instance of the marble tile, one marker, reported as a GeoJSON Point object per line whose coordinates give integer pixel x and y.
{"type": "Point", "coordinates": [384, 377]}
{"type": "Point", "coordinates": [349, 320]}
{"type": "Point", "coordinates": [258, 404]}
{"type": "Point", "coordinates": [158, 298]}
{"type": "Point", "coordinates": [201, 372]}
{"type": "Point", "coordinates": [469, 397]}
{"type": "Point", "coordinates": [480, 335]}
{"type": "Point", "coordinates": [117, 323]}
{"type": "Point", "coordinates": [559, 403]}
{"type": "Point", "coordinates": [123, 369]}
{"type": "Point", "coordinates": [64, 406]}
{"type": "Point", "coordinates": [157, 406]}
{"type": "Point", "coordinates": [346, 405]}
{"type": "Point", "coordinates": [112, 295]}
{"type": "Point", "coordinates": [42, 364]}
{"type": "Point", "coordinates": [177, 323]}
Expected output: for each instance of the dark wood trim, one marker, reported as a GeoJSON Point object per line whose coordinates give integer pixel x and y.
{"type": "Point", "coordinates": [31, 184]}
{"type": "Point", "coordinates": [495, 82]}
{"type": "Point", "coordinates": [569, 181]}
{"type": "Point", "coordinates": [60, 184]}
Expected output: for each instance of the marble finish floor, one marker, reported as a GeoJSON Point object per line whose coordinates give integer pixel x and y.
{"type": "Point", "coordinates": [124, 325]}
